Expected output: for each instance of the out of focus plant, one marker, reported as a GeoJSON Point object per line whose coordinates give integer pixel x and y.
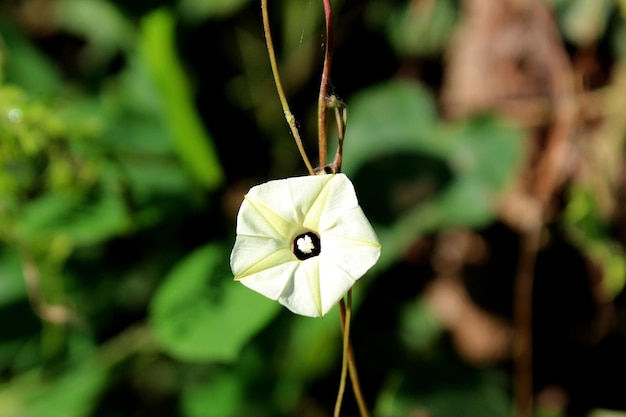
{"type": "Point", "coordinates": [129, 132]}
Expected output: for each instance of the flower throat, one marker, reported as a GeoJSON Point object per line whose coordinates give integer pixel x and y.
{"type": "Point", "coordinates": [306, 245]}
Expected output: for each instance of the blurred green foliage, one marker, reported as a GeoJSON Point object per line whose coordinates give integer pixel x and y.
{"type": "Point", "coordinates": [200, 320]}
{"type": "Point", "coordinates": [129, 132]}
{"type": "Point", "coordinates": [416, 174]}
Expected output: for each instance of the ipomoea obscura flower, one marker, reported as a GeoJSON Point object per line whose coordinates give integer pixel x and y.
{"type": "Point", "coordinates": [303, 241]}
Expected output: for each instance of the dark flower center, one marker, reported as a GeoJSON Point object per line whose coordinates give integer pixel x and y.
{"type": "Point", "coordinates": [306, 245]}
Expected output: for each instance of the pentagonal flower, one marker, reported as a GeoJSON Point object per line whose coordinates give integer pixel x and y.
{"type": "Point", "coordinates": [303, 241]}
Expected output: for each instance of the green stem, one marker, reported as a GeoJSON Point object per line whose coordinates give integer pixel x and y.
{"type": "Point", "coordinates": [291, 120]}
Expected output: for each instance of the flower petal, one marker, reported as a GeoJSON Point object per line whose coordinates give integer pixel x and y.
{"type": "Point", "coordinates": [257, 219]}
{"type": "Point", "coordinates": [352, 256]}
{"type": "Point", "coordinates": [349, 250]}
{"type": "Point", "coordinates": [335, 199]}
{"type": "Point", "coordinates": [253, 254]}
{"type": "Point", "coordinates": [270, 217]}
{"type": "Point", "coordinates": [272, 282]}
{"type": "Point", "coordinates": [304, 192]}
{"type": "Point", "coordinates": [353, 225]}
{"type": "Point", "coordinates": [335, 282]}
{"type": "Point", "coordinates": [287, 200]}
{"type": "Point", "coordinates": [302, 295]}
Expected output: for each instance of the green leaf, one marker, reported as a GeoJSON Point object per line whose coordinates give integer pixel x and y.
{"type": "Point", "coordinates": [202, 9]}
{"type": "Point", "coordinates": [392, 184]}
{"type": "Point", "coordinates": [25, 65]}
{"type": "Point", "coordinates": [606, 413]}
{"type": "Point", "coordinates": [419, 328]}
{"type": "Point", "coordinates": [394, 116]}
{"type": "Point", "coordinates": [414, 175]}
{"type": "Point", "coordinates": [586, 227]}
{"type": "Point", "coordinates": [12, 286]}
{"type": "Point", "coordinates": [221, 397]}
{"type": "Point", "coordinates": [422, 28]}
{"type": "Point", "coordinates": [618, 34]}
{"type": "Point", "coordinates": [157, 50]}
{"type": "Point", "coordinates": [80, 221]}
{"type": "Point", "coordinates": [112, 34]}
{"type": "Point", "coordinates": [200, 314]}
{"type": "Point", "coordinates": [445, 388]}
{"type": "Point", "coordinates": [313, 349]}
{"type": "Point", "coordinates": [72, 394]}
{"type": "Point", "coordinates": [584, 21]}
{"type": "Point", "coordinates": [486, 149]}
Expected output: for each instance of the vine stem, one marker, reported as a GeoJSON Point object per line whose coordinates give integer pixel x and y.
{"type": "Point", "coordinates": [354, 376]}
{"type": "Point", "coordinates": [551, 170]}
{"type": "Point", "coordinates": [348, 361]}
{"type": "Point", "coordinates": [523, 316]}
{"type": "Point", "coordinates": [291, 120]}
{"type": "Point", "coordinates": [341, 119]}
{"type": "Point", "coordinates": [322, 105]}
{"type": "Point", "coordinates": [344, 361]}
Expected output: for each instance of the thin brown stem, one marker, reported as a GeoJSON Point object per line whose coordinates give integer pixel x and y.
{"type": "Point", "coordinates": [354, 376]}
{"type": "Point", "coordinates": [322, 106]}
{"type": "Point", "coordinates": [522, 337]}
{"type": "Point", "coordinates": [551, 171]}
{"type": "Point", "coordinates": [344, 361]}
{"type": "Point", "coordinates": [291, 120]}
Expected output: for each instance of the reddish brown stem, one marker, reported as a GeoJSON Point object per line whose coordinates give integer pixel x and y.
{"type": "Point", "coordinates": [522, 348]}
{"type": "Point", "coordinates": [322, 105]}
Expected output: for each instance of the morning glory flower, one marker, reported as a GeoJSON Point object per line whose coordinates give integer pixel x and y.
{"type": "Point", "coordinates": [303, 241]}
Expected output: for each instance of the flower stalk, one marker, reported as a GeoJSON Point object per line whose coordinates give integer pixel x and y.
{"type": "Point", "coordinates": [324, 102]}
{"type": "Point", "coordinates": [291, 120]}
{"type": "Point", "coordinates": [326, 279]}
{"type": "Point", "coordinates": [345, 326]}
{"type": "Point", "coordinates": [354, 376]}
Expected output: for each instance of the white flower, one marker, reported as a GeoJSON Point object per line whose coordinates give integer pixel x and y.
{"type": "Point", "coordinates": [303, 241]}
